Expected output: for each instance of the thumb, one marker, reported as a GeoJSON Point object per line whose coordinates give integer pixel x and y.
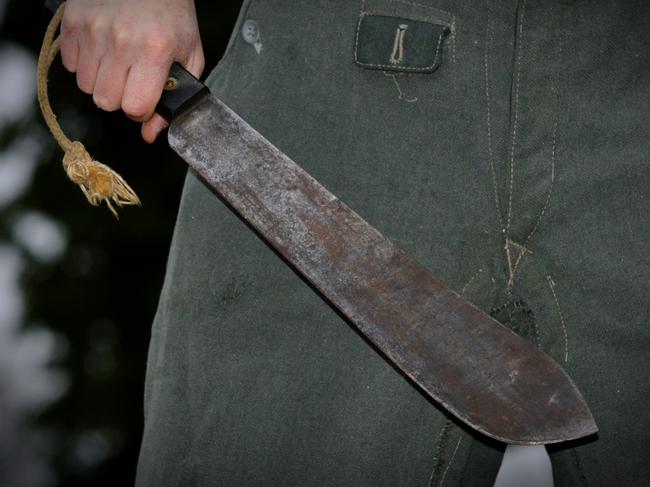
{"type": "Point", "coordinates": [153, 127]}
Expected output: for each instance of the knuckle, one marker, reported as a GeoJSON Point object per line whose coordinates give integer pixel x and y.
{"type": "Point", "coordinates": [158, 45]}
{"type": "Point", "coordinates": [122, 33]}
{"type": "Point", "coordinates": [69, 25]}
{"type": "Point", "coordinates": [73, 18]}
{"type": "Point", "coordinates": [97, 27]}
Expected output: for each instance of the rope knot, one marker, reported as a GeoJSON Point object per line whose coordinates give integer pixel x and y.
{"type": "Point", "coordinates": [75, 162]}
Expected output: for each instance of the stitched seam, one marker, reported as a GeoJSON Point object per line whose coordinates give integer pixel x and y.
{"type": "Point", "coordinates": [516, 108]}
{"type": "Point", "coordinates": [576, 460]}
{"type": "Point", "coordinates": [388, 12]}
{"type": "Point", "coordinates": [551, 285]}
{"type": "Point", "coordinates": [400, 94]}
{"type": "Point", "coordinates": [356, 39]}
{"type": "Point", "coordinates": [471, 281]}
{"type": "Point", "coordinates": [390, 66]}
{"type": "Point", "coordinates": [440, 445]}
{"type": "Point", "coordinates": [515, 125]}
{"type": "Point", "coordinates": [549, 194]}
{"type": "Point", "coordinates": [451, 461]}
{"type": "Point", "coordinates": [553, 144]}
{"type": "Point", "coordinates": [489, 36]}
{"type": "Point", "coordinates": [452, 39]}
{"type": "Point", "coordinates": [523, 250]}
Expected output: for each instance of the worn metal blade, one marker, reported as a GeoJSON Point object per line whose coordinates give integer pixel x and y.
{"type": "Point", "coordinates": [483, 373]}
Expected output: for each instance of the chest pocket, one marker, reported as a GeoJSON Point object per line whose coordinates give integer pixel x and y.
{"type": "Point", "coordinates": [395, 35]}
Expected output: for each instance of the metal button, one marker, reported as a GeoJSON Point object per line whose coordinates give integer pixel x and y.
{"type": "Point", "coordinates": [250, 32]}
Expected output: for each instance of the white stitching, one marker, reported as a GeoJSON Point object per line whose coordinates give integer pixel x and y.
{"type": "Point", "coordinates": [438, 452]}
{"type": "Point", "coordinates": [514, 141]}
{"type": "Point", "coordinates": [553, 144]}
{"type": "Point", "coordinates": [495, 184]}
{"type": "Point", "coordinates": [523, 250]}
{"type": "Point", "coordinates": [452, 39]}
{"type": "Point", "coordinates": [516, 108]}
{"type": "Point", "coordinates": [356, 40]}
{"type": "Point", "coordinates": [549, 194]}
{"type": "Point", "coordinates": [400, 94]}
{"type": "Point", "coordinates": [396, 12]}
{"type": "Point", "coordinates": [451, 460]}
{"type": "Point", "coordinates": [551, 285]}
{"type": "Point", "coordinates": [471, 281]}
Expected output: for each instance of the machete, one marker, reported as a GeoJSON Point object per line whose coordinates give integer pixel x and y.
{"type": "Point", "coordinates": [486, 375]}
{"type": "Point", "coordinates": [483, 373]}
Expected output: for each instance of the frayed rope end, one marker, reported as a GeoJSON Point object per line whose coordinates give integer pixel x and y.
{"type": "Point", "coordinates": [97, 181]}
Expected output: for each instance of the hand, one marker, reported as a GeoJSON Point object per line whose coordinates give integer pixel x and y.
{"type": "Point", "coordinates": [121, 51]}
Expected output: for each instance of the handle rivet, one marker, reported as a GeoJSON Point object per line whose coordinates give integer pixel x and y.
{"type": "Point", "coordinates": [171, 83]}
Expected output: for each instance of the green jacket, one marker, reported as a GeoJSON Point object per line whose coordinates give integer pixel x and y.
{"type": "Point", "coordinates": [506, 146]}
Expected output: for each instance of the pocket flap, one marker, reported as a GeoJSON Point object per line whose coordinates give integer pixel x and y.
{"type": "Point", "coordinates": [398, 44]}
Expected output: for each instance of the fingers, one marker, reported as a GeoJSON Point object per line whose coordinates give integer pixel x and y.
{"type": "Point", "coordinates": [143, 88]}
{"type": "Point", "coordinates": [141, 94]}
{"type": "Point", "coordinates": [69, 44]}
{"type": "Point", "coordinates": [109, 85]}
{"type": "Point", "coordinates": [80, 51]}
{"type": "Point", "coordinates": [196, 62]}
{"type": "Point", "coordinates": [92, 48]}
{"type": "Point", "coordinates": [87, 69]}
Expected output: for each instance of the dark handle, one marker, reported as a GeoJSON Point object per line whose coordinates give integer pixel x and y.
{"type": "Point", "coordinates": [182, 90]}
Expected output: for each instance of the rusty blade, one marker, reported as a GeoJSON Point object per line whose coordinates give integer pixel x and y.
{"type": "Point", "coordinates": [486, 375]}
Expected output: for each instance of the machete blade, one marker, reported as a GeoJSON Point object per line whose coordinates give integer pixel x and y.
{"type": "Point", "coordinates": [480, 371]}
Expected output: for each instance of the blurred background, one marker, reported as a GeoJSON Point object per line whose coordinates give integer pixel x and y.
{"type": "Point", "coordinates": [78, 289]}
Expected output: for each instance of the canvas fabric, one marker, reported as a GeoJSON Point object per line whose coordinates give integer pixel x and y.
{"type": "Point", "coordinates": [517, 171]}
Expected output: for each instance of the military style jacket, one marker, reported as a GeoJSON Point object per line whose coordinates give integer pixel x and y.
{"type": "Point", "coordinates": [505, 145]}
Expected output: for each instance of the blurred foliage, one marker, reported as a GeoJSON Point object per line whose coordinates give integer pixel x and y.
{"type": "Point", "coordinates": [102, 294]}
